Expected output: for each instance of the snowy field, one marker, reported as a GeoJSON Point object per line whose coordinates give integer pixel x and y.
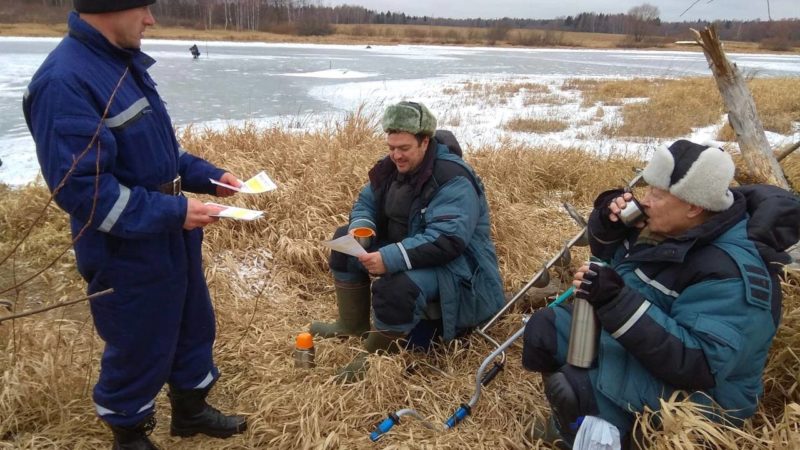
{"type": "Point", "coordinates": [306, 87]}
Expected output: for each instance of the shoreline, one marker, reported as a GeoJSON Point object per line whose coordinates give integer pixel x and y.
{"type": "Point", "coordinates": [573, 40]}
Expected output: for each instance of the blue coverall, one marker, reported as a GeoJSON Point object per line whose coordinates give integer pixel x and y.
{"type": "Point", "coordinates": [158, 325]}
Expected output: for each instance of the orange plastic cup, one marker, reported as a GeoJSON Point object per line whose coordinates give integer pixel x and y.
{"type": "Point", "coordinates": [364, 236]}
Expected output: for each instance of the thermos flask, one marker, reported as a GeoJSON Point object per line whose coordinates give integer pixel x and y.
{"type": "Point", "coordinates": [304, 351]}
{"type": "Point", "coordinates": [583, 334]}
{"type": "Point", "coordinates": [584, 331]}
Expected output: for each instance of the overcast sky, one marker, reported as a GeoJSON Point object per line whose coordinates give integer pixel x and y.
{"type": "Point", "coordinates": [548, 9]}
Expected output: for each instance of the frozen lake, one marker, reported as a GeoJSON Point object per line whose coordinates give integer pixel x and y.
{"type": "Point", "coordinates": [305, 86]}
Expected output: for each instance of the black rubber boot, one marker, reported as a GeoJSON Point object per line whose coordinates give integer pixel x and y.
{"type": "Point", "coordinates": [134, 438]}
{"type": "Point", "coordinates": [191, 415]}
{"type": "Point", "coordinates": [352, 300]}
{"type": "Point", "coordinates": [564, 403]}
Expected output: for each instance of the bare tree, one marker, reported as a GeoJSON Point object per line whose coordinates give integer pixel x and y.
{"type": "Point", "coordinates": [641, 19]}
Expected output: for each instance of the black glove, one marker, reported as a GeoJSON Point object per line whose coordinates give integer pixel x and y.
{"type": "Point", "coordinates": [603, 211]}
{"type": "Point", "coordinates": [600, 285]}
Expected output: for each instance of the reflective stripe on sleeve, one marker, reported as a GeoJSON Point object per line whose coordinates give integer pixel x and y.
{"type": "Point", "coordinates": [129, 114]}
{"type": "Point", "coordinates": [405, 255]}
{"type": "Point", "coordinates": [631, 321]}
{"type": "Point", "coordinates": [663, 289]}
{"type": "Point", "coordinates": [116, 210]}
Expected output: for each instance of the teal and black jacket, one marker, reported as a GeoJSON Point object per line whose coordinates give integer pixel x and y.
{"type": "Point", "coordinates": [699, 311]}
{"type": "Point", "coordinates": [448, 229]}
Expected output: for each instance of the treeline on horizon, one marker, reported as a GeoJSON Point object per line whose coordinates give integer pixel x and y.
{"type": "Point", "coordinates": [308, 17]}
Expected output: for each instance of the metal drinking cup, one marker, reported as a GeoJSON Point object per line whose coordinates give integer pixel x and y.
{"type": "Point", "coordinates": [633, 213]}
{"type": "Point", "coordinates": [363, 236]}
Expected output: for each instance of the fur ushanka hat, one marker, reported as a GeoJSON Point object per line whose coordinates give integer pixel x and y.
{"type": "Point", "coordinates": [694, 173]}
{"type": "Point", "coordinates": [410, 117]}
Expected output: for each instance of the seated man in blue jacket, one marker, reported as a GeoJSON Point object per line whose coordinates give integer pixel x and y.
{"type": "Point", "coordinates": [108, 152]}
{"type": "Point", "coordinates": [432, 248]}
{"type": "Point", "coordinates": [689, 299]}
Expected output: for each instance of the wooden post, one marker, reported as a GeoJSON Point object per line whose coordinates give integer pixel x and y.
{"type": "Point", "coordinates": [762, 167]}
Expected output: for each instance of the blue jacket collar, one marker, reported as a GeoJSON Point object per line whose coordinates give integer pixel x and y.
{"type": "Point", "coordinates": [81, 30]}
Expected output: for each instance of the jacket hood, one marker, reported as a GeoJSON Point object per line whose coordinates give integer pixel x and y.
{"type": "Point", "coordinates": [774, 223]}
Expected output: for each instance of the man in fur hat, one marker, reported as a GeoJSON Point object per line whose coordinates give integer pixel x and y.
{"type": "Point", "coordinates": [107, 149]}
{"type": "Point", "coordinates": [432, 255]}
{"type": "Point", "coordinates": [688, 300]}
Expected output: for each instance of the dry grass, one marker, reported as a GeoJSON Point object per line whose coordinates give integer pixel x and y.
{"type": "Point", "coordinates": [504, 90]}
{"type": "Point", "coordinates": [269, 280]}
{"type": "Point", "coordinates": [536, 125]}
{"type": "Point", "coordinates": [778, 104]}
{"type": "Point", "coordinates": [474, 92]}
{"type": "Point", "coordinates": [545, 99]}
{"type": "Point", "coordinates": [611, 92]}
{"type": "Point", "coordinates": [676, 106]}
{"type": "Point", "coordinates": [479, 36]}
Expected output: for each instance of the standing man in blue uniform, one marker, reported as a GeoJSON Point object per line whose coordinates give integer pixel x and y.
{"type": "Point", "coordinates": [107, 149]}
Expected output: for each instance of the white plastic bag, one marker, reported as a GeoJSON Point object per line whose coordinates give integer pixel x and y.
{"type": "Point", "coordinates": [597, 434]}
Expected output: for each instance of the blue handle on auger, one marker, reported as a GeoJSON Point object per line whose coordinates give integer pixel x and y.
{"type": "Point", "coordinates": [384, 427]}
{"type": "Point", "coordinates": [564, 295]}
{"type": "Point", "coordinates": [461, 413]}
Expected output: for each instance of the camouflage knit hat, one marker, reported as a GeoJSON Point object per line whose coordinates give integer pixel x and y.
{"type": "Point", "coordinates": [410, 117]}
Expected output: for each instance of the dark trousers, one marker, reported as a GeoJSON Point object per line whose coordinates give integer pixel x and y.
{"type": "Point", "coordinates": [160, 330]}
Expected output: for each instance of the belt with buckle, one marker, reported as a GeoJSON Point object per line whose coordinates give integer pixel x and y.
{"type": "Point", "coordinates": [171, 187]}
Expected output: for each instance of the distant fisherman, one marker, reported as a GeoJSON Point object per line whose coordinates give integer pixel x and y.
{"type": "Point", "coordinates": [142, 237]}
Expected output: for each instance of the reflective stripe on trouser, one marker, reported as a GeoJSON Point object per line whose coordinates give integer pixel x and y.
{"type": "Point", "coordinates": [157, 329]}
{"type": "Point", "coordinates": [541, 332]}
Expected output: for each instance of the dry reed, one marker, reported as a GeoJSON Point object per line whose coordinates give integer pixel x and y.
{"type": "Point", "coordinates": [536, 125]}
{"type": "Point", "coordinates": [269, 280]}
{"type": "Point", "coordinates": [675, 107]}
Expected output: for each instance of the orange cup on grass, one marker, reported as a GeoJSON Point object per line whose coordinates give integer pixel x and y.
{"type": "Point", "coordinates": [364, 236]}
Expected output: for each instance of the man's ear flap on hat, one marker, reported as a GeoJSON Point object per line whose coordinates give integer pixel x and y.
{"type": "Point", "coordinates": [707, 181]}
{"type": "Point", "coordinates": [658, 171]}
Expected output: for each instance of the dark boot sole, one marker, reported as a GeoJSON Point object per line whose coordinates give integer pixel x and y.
{"type": "Point", "coordinates": [193, 431]}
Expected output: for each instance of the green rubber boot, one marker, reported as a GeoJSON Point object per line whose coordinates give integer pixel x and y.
{"type": "Point", "coordinates": [353, 301]}
{"type": "Point", "coordinates": [377, 342]}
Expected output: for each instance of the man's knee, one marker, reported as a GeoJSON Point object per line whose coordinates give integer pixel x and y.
{"type": "Point", "coordinates": [540, 342]}
{"type": "Point", "coordinates": [394, 299]}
